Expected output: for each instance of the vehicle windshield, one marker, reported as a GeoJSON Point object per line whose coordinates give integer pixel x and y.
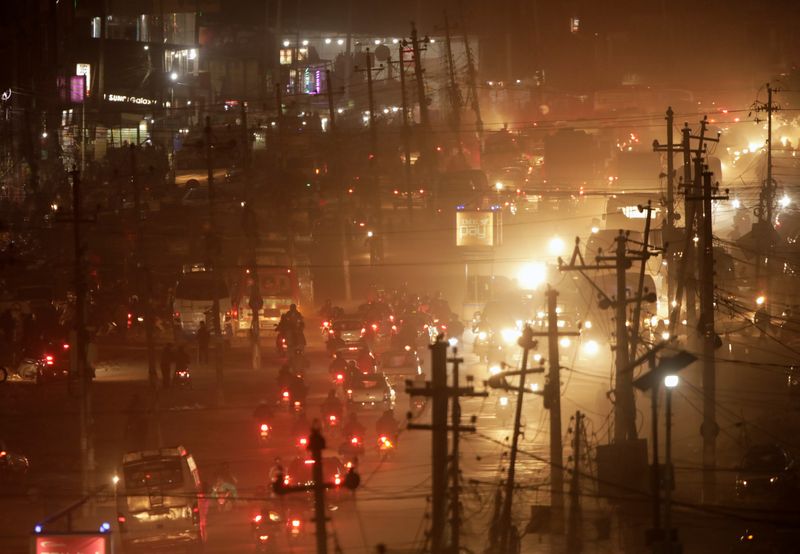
{"type": "Point", "coordinates": [278, 284]}
{"type": "Point", "coordinates": [201, 286]}
{"type": "Point", "coordinates": [160, 474]}
{"type": "Point", "coordinates": [368, 383]}
{"type": "Point", "coordinates": [347, 325]}
{"type": "Point", "coordinates": [767, 459]}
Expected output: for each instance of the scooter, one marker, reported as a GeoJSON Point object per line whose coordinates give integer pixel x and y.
{"type": "Point", "coordinates": [264, 431]}
{"type": "Point", "coordinates": [182, 378]}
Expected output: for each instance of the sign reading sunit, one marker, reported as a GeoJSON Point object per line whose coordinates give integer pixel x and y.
{"type": "Point", "coordinates": [474, 228]}
{"type": "Point", "coordinates": [125, 99]}
{"type": "Point", "coordinates": [72, 543]}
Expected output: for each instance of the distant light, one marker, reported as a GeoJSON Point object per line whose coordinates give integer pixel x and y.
{"type": "Point", "coordinates": [385, 110]}
{"type": "Point", "coordinates": [785, 201]}
{"type": "Point", "coordinates": [595, 229]}
{"type": "Point", "coordinates": [565, 342]}
{"type": "Point", "coordinates": [44, 134]}
{"type": "Point", "coordinates": [494, 370]}
{"type": "Point", "coordinates": [286, 43]}
{"type": "Point", "coordinates": [671, 381]}
{"type": "Point", "coordinates": [433, 40]}
{"type": "Point", "coordinates": [453, 342]}
{"type": "Point", "coordinates": [193, 53]}
{"type": "Point", "coordinates": [146, 47]}
{"type": "Point", "coordinates": [537, 358]}
{"type": "Point", "coordinates": [369, 234]}
{"type": "Point", "coordinates": [115, 479]}
{"type": "Point", "coordinates": [106, 526]}
{"type": "Point", "coordinates": [395, 41]}
{"type": "Point", "coordinates": [498, 185]}
{"type": "Point", "coordinates": [173, 76]}
{"type": "Point", "coordinates": [340, 41]}
{"type": "Point", "coordinates": [340, 110]}
{"type": "Point", "coordinates": [377, 41]}
{"type": "Point", "coordinates": [755, 146]}
{"type": "Point", "coordinates": [736, 203]}
{"type": "Point", "coordinates": [665, 335]}
{"type": "Point", "coordinates": [534, 387]}
{"type": "Point", "coordinates": [188, 102]}
{"type": "Point", "coordinates": [556, 246]}
{"type": "Point", "coordinates": [305, 43]}
{"type": "Point", "coordinates": [519, 81]}
{"type": "Point", "coordinates": [531, 276]}
{"type": "Point", "coordinates": [760, 300]}
{"type": "Point", "coordinates": [591, 347]}
{"type": "Point", "coordinates": [328, 41]}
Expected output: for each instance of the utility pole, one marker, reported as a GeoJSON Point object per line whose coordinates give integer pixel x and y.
{"type": "Point", "coordinates": [373, 132]}
{"type": "Point", "coordinates": [439, 392]}
{"type": "Point", "coordinates": [455, 486]}
{"type": "Point", "coordinates": [689, 273]}
{"type": "Point", "coordinates": [625, 412]}
{"type": "Point", "coordinates": [424, 119]}
{"type": "Point", "coordinates": [454, 93]}
{"type": "Point", "coordinates": [84, 378]}
{"type": "Point", "coordinates": [766, 208]}
{"type": "Point", "coordinates": [575, 538]}
{"type": "Point", "coordinates": [335, 166]}
{"type": "Point", "coordinates": [406, 130]}
{"type": "Point", "coordinates": [245, 136]}
{"type": "Point", "coordinates": [212, 255]}
{"type": "Point", "coordinates": [279, 111]}
{"type": "Point", "coordinates": [471, 81]}
{"type": "Point", "coordinates": [669, 223]}
{"type": "Point", "coordinates": [709, 428]}
{"type": "Point", "coordinates": [637, 310]}
{"type": "Point", "coordinates": [552, 402]}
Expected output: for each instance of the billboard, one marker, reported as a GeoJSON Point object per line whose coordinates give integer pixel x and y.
{"type": "Point", "coordinates": [476, 228]}
{"type": "Point", "coordinates": [72, 543]}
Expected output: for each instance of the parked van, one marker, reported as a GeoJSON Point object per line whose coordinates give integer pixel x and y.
{"type": "Point", "coordinates": [160, 501]}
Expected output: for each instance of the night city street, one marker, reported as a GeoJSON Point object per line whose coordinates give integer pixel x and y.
{"type": "Point", "coordinates": [434, 277]}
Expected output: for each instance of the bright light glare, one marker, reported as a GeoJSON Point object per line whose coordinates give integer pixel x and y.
{"type": "Point", "coordinates": [537, 358]}
{"type": "Point", "coordinates": [760, 300]}
{"type": "Point", "coordinates": [534, 387]}
{"type": "Point", "coordinates": [785, 201]}
{"type": "Point", "coordinates": [591, 347]}
{"type": "Point", "coordinates": [498, 185]}
{"type": "Point", "coordinates": [755, 146]}
{"type": "Point", "coordinates": [587, 324]}
{"type": "Point", "coordinates": [531, 276]}
{"type": "Point", "coordinates": [115, 479]}
{"type": "Point", "coordinates": [565, 342]}
{"type": "Point", "coordinates": [737, 203]}
{"type": "Point", "coordinates": [595, 230]}
{"type": "Point", "coordinates": [510, 336]}
{"type": "Point", "coordinates": [671, 381]}
{"type": "Point", "coordinates": [482, 335]}
{"type": "Point", "coordinates": [504, 401]}
{"type": "Point", "coordinates": [453, 341]}
{"type": "Point", "coordinates": [665, 335]}
{"type": "Point", "coordinates": [494, 370]}
{"type": "Point", "coordinates": [556, 246]}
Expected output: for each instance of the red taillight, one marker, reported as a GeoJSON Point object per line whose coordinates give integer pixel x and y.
{"type": "Point", "coordinates": [303, 441]}
{"type": "Point", "coordinates": [235, 313]}
{"type": "Point", "coordinates": [326, 324]}
{"type": "Point", "coordinates": [65, 346]}
{"type": "Point", "coordinates": [121, 519]}
{"type": "Point", "coordinates": [332, 418]}
{"type": "Point", "coordinates": [177, 315]}
{"type": "Point", "coordinates": [286, 480]}
{"type": "Point", "coordinates": [374, 326]}
{"type": "Point", "coordinates": [295, 523]}
{"type": "Point", "coordinates": [354, 440]}
{"type": "Point", "coordinates": [258, 518]}
{"type": "Point", "coordinates": [363, 330]}
{"type": "Point", "coordinates": [286, 394]}
{"type": "Point", "coordinates": [330, 332]}
{"type": "Point", "coordinates": [49, 360]}
{"type": "Point", "coordinates": [339, 377]}
{"type": "Point", "coordinates": [337, 480]}
{"type": "Point", "coordinates": [264, 427]}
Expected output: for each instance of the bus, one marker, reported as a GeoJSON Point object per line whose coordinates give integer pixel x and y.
{"type": "Point", "coordinates": [160, 501]}
{"type": "Point", "coordinates": [279, 287]}
{"type": "Point", "coordinates": [195, 292]}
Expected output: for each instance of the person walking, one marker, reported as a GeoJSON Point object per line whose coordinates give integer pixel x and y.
{"type": "Point", "coordinates": [167, 359]}
{"type": "Point", "coordinates": [203, 338]}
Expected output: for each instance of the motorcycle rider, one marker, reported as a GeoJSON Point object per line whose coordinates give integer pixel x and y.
{"type": "Point", "coordinates": [366, 362]}
{"type": "Point", "coordinates": [332, 405]}
{"type": "Point", "coordinates": [291, 326]}
{"type": "Point", "coordinates": [353, 427]}
{"type": "Point", "coordinates": [387, 424]}
{"type": "Point", "coordinates": [297, 389]}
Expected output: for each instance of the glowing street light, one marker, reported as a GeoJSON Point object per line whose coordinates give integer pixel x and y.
{"type": "Point", "coordinates": [671, 381]}
{"type": "Point", "coordinates": [556, 246]}
{"type": "Point", "coordinates": [785, 201]}
{"type": "Point", "coordinates": [173, 76]}
{"type": "Point", "coordinates": [531, 276]}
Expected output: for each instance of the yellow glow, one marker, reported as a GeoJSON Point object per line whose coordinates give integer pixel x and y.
{"type": "Point", "coordinates": [556, 246]}
{"type": "Point", "coordinates": [531, 276]}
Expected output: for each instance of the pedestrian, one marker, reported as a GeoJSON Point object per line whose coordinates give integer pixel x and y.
{"type": "Point", "coordinates": [167, 359]}
{"type": "Point", "coordinates": [203, 338]}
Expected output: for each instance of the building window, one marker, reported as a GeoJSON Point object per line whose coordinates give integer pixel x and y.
{"type": "Point", "coordinates": [181, 62]}
{"type": "Point", "coordinates": [574, 24]}
{"type": "Point", "coordinates": [286, 56]}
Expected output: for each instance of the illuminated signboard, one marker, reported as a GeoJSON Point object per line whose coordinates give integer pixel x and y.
{"type": "Point", "coordinates": [633, 212]}
{"type": "Point", "coordinates": [77, 89]}
{"type": "Point", "coordinates": [475, 228]}
{"type": "Point", "coordinates": [124, 99]}
{"type": "Point", "coordinates": [85, 69]}
{"type": "Point", "coordinates": [72, 543]}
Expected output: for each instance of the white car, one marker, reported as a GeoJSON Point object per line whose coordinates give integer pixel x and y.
{"type": "Point", "coordinates": [372, 390]}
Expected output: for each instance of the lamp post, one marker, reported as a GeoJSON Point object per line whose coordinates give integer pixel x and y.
{"type": "Point", "coordinates": [670, 382]}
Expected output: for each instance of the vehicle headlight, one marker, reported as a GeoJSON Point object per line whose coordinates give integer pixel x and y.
{"type": "Point", "coordinates": [591, 348]}
{"type": "Point", "coordinates": [482, 335]}
{"type": "Point", "coordinates": [503, 401]}
{"type": "Point", "coordinates": [587, 324]}
{"type": "Point", "coordinates": [494, 370]}
{"type": "Point", "coordinates": [773, 479]}
{"type": "Point", "coordinates": [565, 342]}
{"type": "Point", "coordinates": [510, 336]}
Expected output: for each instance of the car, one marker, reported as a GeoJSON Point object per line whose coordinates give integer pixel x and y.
{"type": "Point", "coordinates": [400, 362]}
{"type": "Point", "coordinates": [48, 363]}
{"type": "Point", "coordinates": [348, 330]}
{"type": "Point", "coordinates": [768, 473]}
{"type": "Point", "coordinates": [371, 391]}
{"type": "Point", "coordinates": [301, 471]}
{"type": "Point", "coordinates": [13, 468]}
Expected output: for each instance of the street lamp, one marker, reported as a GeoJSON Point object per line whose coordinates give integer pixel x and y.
{"type": "Point", "coordinates": [173, 76]}
{"type": "Point", "coordinates": [670, 382]}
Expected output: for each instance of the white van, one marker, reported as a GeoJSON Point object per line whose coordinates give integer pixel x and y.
{"type": "Point", "coordinates": [160, 501]}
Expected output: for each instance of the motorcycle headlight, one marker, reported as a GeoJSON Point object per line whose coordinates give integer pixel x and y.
{"type": "Point", "coordinates": [591, 348]}
{"type": "Point", "coordinates": [482, 335]}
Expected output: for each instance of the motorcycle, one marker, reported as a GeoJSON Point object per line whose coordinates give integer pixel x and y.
{"type": "Point", "coordinates": [385, 444]}
{"type": "Point", "coordinates": [263, 432]}
{"type": "Point", "coordinates": [264, 531]}
{"type": "Point", "coordinates": [331, 422]}
{"type": "Point", "coordinates": [182, 378]}
{"type": "Point", "coordinates": [352, 447]}
{"type": "Point", "coordinates": [223, 494]}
